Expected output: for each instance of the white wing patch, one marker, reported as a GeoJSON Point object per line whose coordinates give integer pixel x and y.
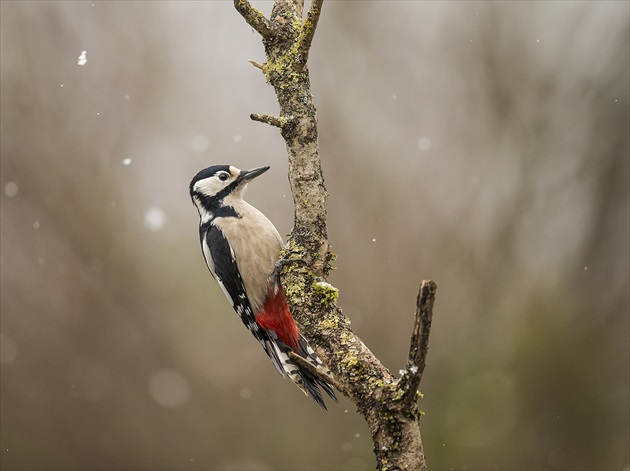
{"type": "Point", "coordinates": [208, 258]}
{"type": "Point", "coordinates": [227, 294]}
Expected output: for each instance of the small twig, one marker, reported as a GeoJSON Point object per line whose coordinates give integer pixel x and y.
{"type": "Point", "coordinates": [315, 370]}
{"type": "Point", "coordinates": [277, 121]}
{"type": "Point", "coordinates": [418, 350]}
{"type": "Point", "coordinates": [255, 64]}
{"type": "Point", "coordinates": [310, 24]}
{"type": "Point", "coordinates": [254, 17]}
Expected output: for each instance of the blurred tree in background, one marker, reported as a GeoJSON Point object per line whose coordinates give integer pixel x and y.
{"type": "Point", "coordinates": [484, 145]}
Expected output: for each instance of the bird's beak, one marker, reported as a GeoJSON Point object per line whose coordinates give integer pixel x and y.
{"type": "Point", "coordinates": [247, 175]}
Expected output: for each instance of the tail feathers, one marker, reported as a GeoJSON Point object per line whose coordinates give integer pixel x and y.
{"type": "Point", "coordinates": [309, 354]}
{"type": "Point", "coordinates": [311, 385]}
{"type": "Point", "coordinates": [308, 382]}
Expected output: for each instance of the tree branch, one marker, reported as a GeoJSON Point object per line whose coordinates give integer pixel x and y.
{"type": "Point", "coordinates": [254, 17]}
{"type": "Point", "coordinates": [385, 403]}
{"type": "Point", "coordinates": [256, 64]}
{"type": "Point", "coordinates": [277, 121]}
{"type": "Point", "coordinates": [410, 381]}
{"type": "Point", "coordinates": [310, 24]}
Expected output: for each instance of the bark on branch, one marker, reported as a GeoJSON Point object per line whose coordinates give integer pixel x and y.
{"type": "Point", "coordinates": [412, 375]}
{"type": "Point", "coordinates": [389, 405]}
{"type": "Point", "coordinates": [310, 24]}
{"type": "Point", "coordinates": [253, 17]}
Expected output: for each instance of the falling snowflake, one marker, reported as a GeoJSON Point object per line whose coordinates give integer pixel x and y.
{"type": "Point", "coordinates": [154, 218]}
{"type": "Point", "coordinates": [424, 143]}
{"type": "Point", "coordinates": [11, 189]}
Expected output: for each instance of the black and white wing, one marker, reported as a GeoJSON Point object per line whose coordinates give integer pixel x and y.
{"type": "Point", "coordinates": [220, 260]}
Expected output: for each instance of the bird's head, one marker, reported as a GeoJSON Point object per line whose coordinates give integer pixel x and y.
{"type": "Point", "coordinates": [210, 188]}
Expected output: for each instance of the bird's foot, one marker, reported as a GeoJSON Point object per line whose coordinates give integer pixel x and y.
{"type": "Point", "coordinates": [280, 264]}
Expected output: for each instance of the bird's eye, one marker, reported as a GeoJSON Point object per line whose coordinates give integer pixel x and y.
{"type": "Point", "coordinates": [223, 176]}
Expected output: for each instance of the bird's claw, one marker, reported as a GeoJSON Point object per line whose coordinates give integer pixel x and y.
{"type": "Point", "coordinates": [280, 264]}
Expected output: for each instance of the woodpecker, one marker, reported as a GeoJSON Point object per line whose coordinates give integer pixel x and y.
{"type": "Point", "coordinates": [241, 248]}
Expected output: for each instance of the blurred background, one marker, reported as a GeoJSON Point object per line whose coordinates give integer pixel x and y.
{"type": "Point", "coordinates": [480, 144]}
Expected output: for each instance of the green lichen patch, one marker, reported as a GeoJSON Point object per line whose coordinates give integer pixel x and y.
{"type": "Point", "coordinates": [283, 70]}
{"type": "Point", "coordinates": [330, 321]}
{"type": "Point", "coordinates": [349, 359]}
{"type": "Point", "coordinates": [325, 292]}
{"type": "Point", "coordinates": [330, 258]}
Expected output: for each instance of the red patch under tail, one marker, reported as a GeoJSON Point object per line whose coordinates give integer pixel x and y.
{"type": "Point", "coordinates": [275, 315]}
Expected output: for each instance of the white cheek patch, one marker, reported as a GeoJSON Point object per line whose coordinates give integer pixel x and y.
{"type": "Point", "coordinates": [205, 217]}
{"type": "Point", "coordinates": [209, 186]}
{"type": "Point", "coordinates": [204, 214]}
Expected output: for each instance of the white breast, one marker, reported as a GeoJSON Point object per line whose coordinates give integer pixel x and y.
{"type": "Point", "coordinates": [256, 245]}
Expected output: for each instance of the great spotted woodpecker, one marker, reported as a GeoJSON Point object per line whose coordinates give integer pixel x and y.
{"type": "Point", "coordinates": [241, 248]}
